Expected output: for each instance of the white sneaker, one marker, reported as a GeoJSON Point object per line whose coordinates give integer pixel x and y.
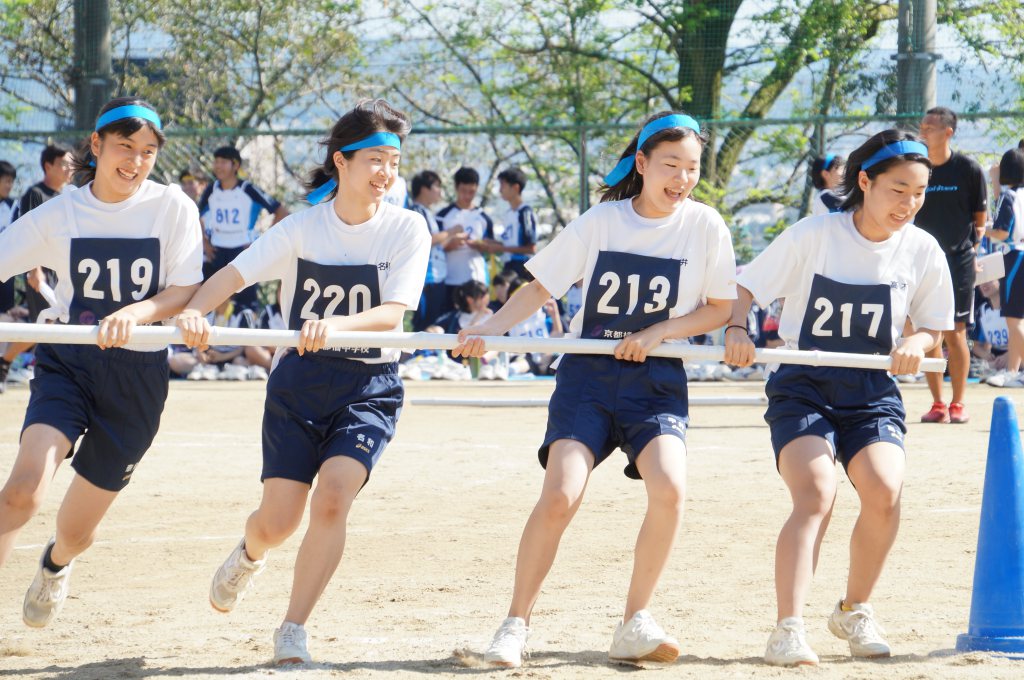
{"type": "Point", "coordinates": [998, 379]}
{"type": "Point", "coordinates": [788, 646]}
{"type": "Point", "coordinates": [233, 372]}
{"type": "Point", "coordinates": [642, 639]}
{"type": "Point", "coordinates": [46, 595]}
{"type": "Point", "coordinates": [234, 579]}
{"type": "Point", "coordinates": [859, 628]}
{"type": "Point", "coordinates": [290, 644]}
{"type": "Point", "coordinates": [257, 373]}
{"type": "Point", "coordinates": [1014, 380]}
{"type": "Point", "coordinates": [508, 648]}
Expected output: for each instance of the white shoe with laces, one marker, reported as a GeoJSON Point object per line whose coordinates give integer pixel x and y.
{"type": "Point", "coordinates": [859, 628]}
{"type": "Point", "coordinates": [642, 639]}
{"type": "Point", "coordinates": [508, 648]}
{"type": "Point", "coordinates": [290, 644]}
{"type": "Point", "coordinates": [788, 646]}
{"type": "Point", "coordinates": [45, 597]}
{"type": "Point", "coordinates": [234, 578]}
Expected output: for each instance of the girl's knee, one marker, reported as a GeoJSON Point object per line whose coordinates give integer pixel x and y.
{"type": "Point", "coordinates": [330, 504]}
{"type": "Point", "coordinates": [556, 506]}
{"type": "Point", "coordinates": [668, 493]}
{"type": "Point", "coordinates": [22, 495]}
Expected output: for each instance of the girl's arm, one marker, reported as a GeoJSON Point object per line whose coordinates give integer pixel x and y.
{"type": "Point", "coordinates": [906, 359]}
{"type": "Point", "coordinates": [315, 332]}
{"type": "Point", "coordinates": [739, 350]}
{"type": "Point", "coordinates": [708, 317]}
{"type": "Point", "coordinates": [195, 330]}
{"type": "Point", "coordinates": [524, 303]}
{"type": "Point", "coordinates": [115, 330]}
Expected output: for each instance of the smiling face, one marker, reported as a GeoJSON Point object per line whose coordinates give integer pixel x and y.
{"type": "Point", "coordinates": [123, 163]}
{"type": "Point", "coordinates": [670, 172]}
{"type": "Point", "coordinates": [225, 169]}
{"type": "Point", "coordinates": [892, 198]}
{"type": "Point", "coordinates": [369, 174]}
{"type": "Point", "coordinates": [465, 194]}
{"type": "Point", "coordinates": [59, 172]}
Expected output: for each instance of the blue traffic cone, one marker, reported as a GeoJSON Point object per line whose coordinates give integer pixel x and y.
{"type": "Point", "coordinates": [997, 603]}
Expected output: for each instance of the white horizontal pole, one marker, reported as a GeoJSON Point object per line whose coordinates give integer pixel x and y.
{"type": "Point", "coordinates": [517, 403]}
{"type": "Point", "coordinates": [162, 335]}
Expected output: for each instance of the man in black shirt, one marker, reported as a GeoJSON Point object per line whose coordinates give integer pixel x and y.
{"type": "Point", "coordinates": [954, 212]}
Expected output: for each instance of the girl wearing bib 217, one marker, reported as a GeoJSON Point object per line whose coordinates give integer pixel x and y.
{"type": "Point", "coordinates": [850, 280]}
{"type": "Point", "coordinates": [656, 266]}
{"type": "Point", "coordinates": [126, 251]}
{"type": "Point", "coordinates": [354, 263]}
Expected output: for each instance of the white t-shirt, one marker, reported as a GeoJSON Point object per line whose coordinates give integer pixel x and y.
{"type": "Point", "coordinates": [344, 269]}
{"type": "Point", "coordinates": [910, 265]}
{"type": "Point", "coordinates": [465, 263]}
{"type": "Point", "coordinates": [105, 252]}
{"type": "Point", "coordinates": [6, 212]}
{"type": "Point", "coordinates": [638, 271]}
{"type": "Point", "coordinates": [992, 327]}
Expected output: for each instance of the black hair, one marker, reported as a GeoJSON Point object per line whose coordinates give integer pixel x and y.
{"type": "Point", "coordinates": [8, 170]}
{"type": "Point", "coordinates": [84, 163]}
{"type": "Point", "coordinates": [633, 182]}
{"type": "Point", "coordinates": [945, 115]}
{"type": "Point", "coordinates": [466, 175]}
{"type": "Point", "coordinates": [471, 289]}
{"type": "Point", "coordinates": [1011, 168]}
{"type": "Point", "coordinates": [505, 278]}
{"type": "Point", "coordinates": [513, 175]}
{"type": "Point", "coordinates": [230, 153]}
{"type": "Point", "coordinates": [1020, 144]}
{"type": "Point", "coordinates": [818, 167]}
{"type": "Point", "coordinates": [424, 180]}
{"type": "Point", "coordinates": [188, 172]}
{"type": "Point", "coordinates": [52, 153]}
{"type": "Point", "coordinates": [853, 195]}
{"type": "Point", "coordinates": [368, 116]}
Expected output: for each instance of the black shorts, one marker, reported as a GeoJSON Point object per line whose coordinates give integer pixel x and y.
{"type": "Point", "coordinates": [1011, 286]}
{"type": "Point", "coordinates": [848, 407]}
{"type": "Point", "coordinates": [321, 407]}
{"type": "Point", "coordinates": [961, 269]}
{"type": "Point", "coordinates": [111, 399]}
{"type": "Point", "coordinates": [606, 404]}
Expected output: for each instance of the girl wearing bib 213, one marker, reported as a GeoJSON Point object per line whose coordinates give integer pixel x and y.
{"type": "Point", "coordinates": [354, 263]}
{"type": "Point", "coordinates": [656, 266]}
{"type": "Point", "coordinates": [850, 280]}
{"type": "Point", "coordinates": [126, 251]}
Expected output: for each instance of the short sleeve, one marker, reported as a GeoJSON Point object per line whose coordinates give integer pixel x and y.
{"type": "Point", "coordinates": [268, 257]}
{"type": "Point", "coordinates": [776, 272]}
{"type": "Point", "coordinates": [527, 226]}
{"type": "Point", "coordinates": [404, 284]}
{"type": "Point", "coordinates": [204, 199]}
{"type": "Point", "coordinates": [262, 198]}
{"type": "Point", "coordinates": [563, 261]}
{"type": "Point", "coordinates": [720, 275]}
{"type": "Point", "coordinates": [1005, 219]}
{"type": "Point", "coordinates": [932, 304]}
{"type": "Point", "coordinates": [488, 225]}
{"type": "Point", "coordinates": [979, 195]}
{"type": "Point", "coordinates": [185, 248]}
{"type": "Point", "coordinates": [23, 246]}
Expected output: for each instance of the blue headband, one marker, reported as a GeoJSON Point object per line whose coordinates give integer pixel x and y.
{"type": "Point", "coordinates": [626, 164]}
{"type": "Point", "coordinates": [892, 150]}
{"type": "Point", "coordinates": [829, 159]}
{"type": "Point", "coordinates": [129, 111]}
{"type": "Point", "coordinates": [376, 139]}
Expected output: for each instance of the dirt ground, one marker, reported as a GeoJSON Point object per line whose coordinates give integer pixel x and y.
{"type": "Point", "coordinates": [428, 568]}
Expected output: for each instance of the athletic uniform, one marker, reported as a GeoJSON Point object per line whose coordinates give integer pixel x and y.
{"type": "Point", "coordinates": [432, 301]}
{"type": "Point", "coordinates": [845, 293]}
{"type": "Point", "coordinates": [106, 256]}
{"type": "Point", "coordinates": [7, 287]}
{"type": "Point", "coordinates": [230, 216]}
{"type": "Point", "coordinates": [335, 402]}
{"type": "Point", "coordinates": [956, 191]}
{"type": "Point", "coordinates": [35, 196]}
{"type": "Point", "coordinates": [465, 263]}
{"type": "Point", "coordinates": [636, 272]}
{"type": "Point", "coordinates": [990, 327]}
{"type": "Point", "coordinates": [824, 202]}
{"type": "Point", "coordinates": [1010, 218]}
{"type": "Point", "coordinates": [520, 230]}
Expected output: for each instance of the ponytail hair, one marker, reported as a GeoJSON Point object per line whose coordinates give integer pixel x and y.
{"type": "Point", "coordinates": [83, 163]}
{"type": "Point", "coordinates": [853, 195]}
{"type": "Point", "coordinates": [633, 182]}
{"type": "Point", "coordinates": [369, 116]}
{"type": "Point", "coordinates": [822, 164]}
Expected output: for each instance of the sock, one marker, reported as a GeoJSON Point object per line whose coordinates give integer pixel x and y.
{"type": "Point", "coordinates": [49, 563]}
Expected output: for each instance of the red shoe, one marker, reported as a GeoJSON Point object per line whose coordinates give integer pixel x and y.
{"type": "Point", "coordinates": [958, 412]}
{"type": "Point", "coordinates": [938, 414]}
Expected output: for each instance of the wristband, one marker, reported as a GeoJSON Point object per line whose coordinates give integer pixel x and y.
{"type": "Point", "coordinates": [733, 325]}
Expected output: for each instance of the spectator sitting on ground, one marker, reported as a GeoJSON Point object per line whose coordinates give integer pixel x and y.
{"type": "Point", "coordinates": [501, 286]}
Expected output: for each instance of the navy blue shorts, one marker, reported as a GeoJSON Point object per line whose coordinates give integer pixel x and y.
{"type": "Point", "coordinates": [849, 407]}
{"type": "Point", "coordinates": [110, 398]}
{"type": "Point", "coordinates": [606, 404]}
{"type": "Point", "coordinates": [321, 407]}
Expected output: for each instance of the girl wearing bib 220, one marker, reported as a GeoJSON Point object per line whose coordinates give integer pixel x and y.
{"type": "Point", "coordinates": [126, 251]}
{"type": "Point", "coordinates": [850, 280]}
{"type": "Point", "coordinates": [354, 263]}
{"type": "Point", "coordinates": [656, 266]}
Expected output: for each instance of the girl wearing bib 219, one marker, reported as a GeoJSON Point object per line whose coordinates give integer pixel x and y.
{"type": "Point", "coordinates": [127, 251]}
{"type": "Point", "coordinates": [354, 263]}
{"type": "Point", "coordinates": [850, 280]}
{"type": "Point", "coordinates": [656, 266]}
